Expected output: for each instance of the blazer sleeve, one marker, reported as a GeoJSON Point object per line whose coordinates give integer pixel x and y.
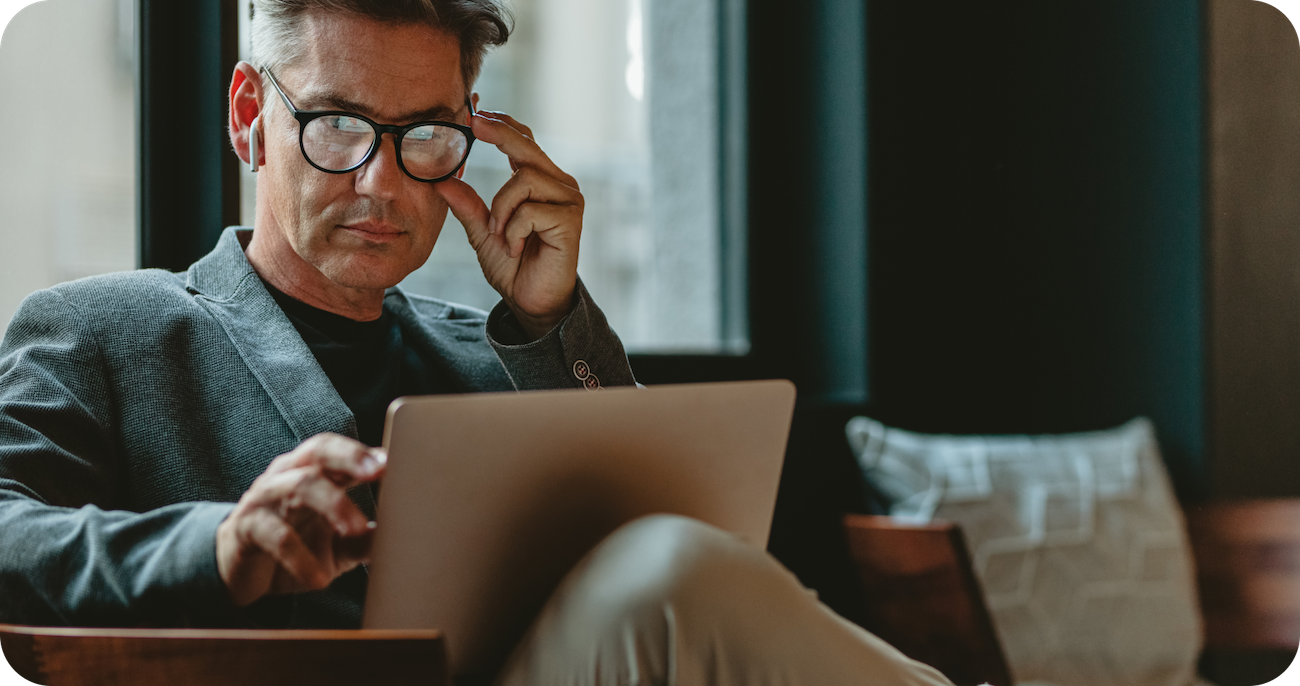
{"type": "Point", "coordinates": [582, 351]}
{"type": "Point", "coordinates": [68, 555]}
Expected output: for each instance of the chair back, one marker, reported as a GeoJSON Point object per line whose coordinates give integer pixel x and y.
{"type": "Point", "coordinates": [922, 597]}
{"type": "Point", "coordinates": [1248, 569]}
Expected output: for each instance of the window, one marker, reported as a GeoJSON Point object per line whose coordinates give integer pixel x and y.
{"type": "Point", "coordinates": [623, 95]}
{"type": "Point", "coordinates": [67, 188]}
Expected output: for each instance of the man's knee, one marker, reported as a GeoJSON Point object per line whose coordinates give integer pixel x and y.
{"type": "Point", "coordinates": [662, 560]}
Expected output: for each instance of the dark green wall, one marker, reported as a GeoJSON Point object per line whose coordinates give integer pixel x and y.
{"type": "Point", "coordinates": [1035, 218]}
{"type": "Point", "coordinates": [1031, 204]}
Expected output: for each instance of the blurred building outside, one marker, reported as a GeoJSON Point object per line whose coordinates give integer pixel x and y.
{"type": "Point", "coordinates": [67, 185]}
{"type": "Point", "coordinates": [623, 95]}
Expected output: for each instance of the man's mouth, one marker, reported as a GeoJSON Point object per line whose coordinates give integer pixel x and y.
{"type": "Point", "coordinates": [373, 231]}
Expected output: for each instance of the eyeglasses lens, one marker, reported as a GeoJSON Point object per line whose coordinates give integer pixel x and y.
{"type": "Point", "coordinates": [339, 143]}
{"type": "Point", "coordinates": [433, 151]}
{"type": "Point", "coordinates": [336, 142]}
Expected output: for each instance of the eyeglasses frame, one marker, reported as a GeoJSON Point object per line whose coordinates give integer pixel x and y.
{"type": "Point", "coordinates": [398, 132]}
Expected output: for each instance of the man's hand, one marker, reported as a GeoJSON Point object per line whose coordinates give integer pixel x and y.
{"type": "Point", "coordinates": [295, 529]}
{"type": "Point", "coordinates": [527, 244]}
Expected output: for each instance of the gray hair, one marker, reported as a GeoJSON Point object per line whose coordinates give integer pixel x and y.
{"type": "Point", "coordinates": [278, 38]}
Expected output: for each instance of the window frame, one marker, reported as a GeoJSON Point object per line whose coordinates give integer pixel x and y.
{"type": "Point", "coordinates": [794, 280]}
{"type": "Point", "coordinates": [184, 65]}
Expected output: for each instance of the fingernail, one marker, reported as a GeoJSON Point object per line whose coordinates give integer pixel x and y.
{"type": "Point", "coordinates": [492, 225]}
{"type": "Point", "coordinates": [371, 463]}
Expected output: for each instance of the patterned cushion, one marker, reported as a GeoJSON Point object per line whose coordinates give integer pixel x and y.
{"type": "Point", "coordinates": [1077, 539]}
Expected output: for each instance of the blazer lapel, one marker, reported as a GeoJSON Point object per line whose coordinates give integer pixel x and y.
{"type": "Point", "coordinates": [225, 284]}
{"type": "Point", "coordinates": [456, 344]}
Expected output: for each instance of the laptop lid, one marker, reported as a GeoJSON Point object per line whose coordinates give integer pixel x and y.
{"type": "Point", "coordinates": [490, 499]}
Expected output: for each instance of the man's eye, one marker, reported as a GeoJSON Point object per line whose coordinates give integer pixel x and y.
{"type": "Point", "coordinates": [424, 133]}
{"type": "Point", "coordinates": [350, 124]}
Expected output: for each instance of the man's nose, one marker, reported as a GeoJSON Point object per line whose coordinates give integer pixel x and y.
{"type": "Point", "coordinates": [381, 177]}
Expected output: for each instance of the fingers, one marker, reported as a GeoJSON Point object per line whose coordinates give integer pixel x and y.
{"type": "Point", "coordinates": [309, 490]}
{"type": "Point", "coordinates": [468, 208]}
{"type": "Point", "coordinates": [258, 552]}
{"type": "Point", "coordinates": [345, 461]}
{"type": "Point", "coordinates": [521, 128]}
{"type": "Point", "coordinates": [523, 151]}
{"type": "Point", "coordinates": [537, 179]}
{"type": "Point", "coordinates": [296, 528]}
{"type": "Point", "coordinates": [514, 124]}
{"type": "Point", "coordinates": [527, 242]}
{"type": "Point", "coordinates": [549, 222]}
{"type": "Point", "coordinates": [535, 188]}
{"type": "Point", "coordinates": [353, 550]}
{"type": "Point", "coordinates": [279, 540]}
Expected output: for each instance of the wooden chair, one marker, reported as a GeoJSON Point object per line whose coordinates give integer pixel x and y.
{"type": "Point", "coordinates": [180, 657]}
{"type": "Point", "coordinates": [923, 598]}
{"type": "Point", "coordinates": [922, 595]}
{"type": "Point", "coordinates": [1248, 569]}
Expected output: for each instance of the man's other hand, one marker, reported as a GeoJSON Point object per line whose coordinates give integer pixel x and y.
{"type": "Point", "coordinates": [527, 243]}
{"type": "Point", "coordinates": [295, 529]}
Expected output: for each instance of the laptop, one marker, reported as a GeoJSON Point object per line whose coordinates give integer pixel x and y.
{"type": "Point", "coordinates": [490, 499]}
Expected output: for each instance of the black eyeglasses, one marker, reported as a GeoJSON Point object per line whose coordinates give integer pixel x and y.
{"type": "Point", "coordinates": [340, 142]}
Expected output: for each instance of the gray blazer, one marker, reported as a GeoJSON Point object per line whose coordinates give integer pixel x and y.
{"type": "Point", "coordinates": [135, 408]}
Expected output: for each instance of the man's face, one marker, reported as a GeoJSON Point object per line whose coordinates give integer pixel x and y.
{"type": "Point", "coordinates": [371, 227]}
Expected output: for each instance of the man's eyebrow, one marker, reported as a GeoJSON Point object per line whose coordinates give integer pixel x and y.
{"type": "Point", "coordinates": [334, 101]}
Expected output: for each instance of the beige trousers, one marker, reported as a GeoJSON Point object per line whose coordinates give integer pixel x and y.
{"type": "Point", "coordinates": [669, 600]}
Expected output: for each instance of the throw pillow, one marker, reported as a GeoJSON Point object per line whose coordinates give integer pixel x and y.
{"type": "Point", "coordinates": [1077, 540]}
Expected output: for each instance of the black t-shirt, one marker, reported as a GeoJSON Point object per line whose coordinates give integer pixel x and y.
{"type": "Point", "coordinates": [365, 361]}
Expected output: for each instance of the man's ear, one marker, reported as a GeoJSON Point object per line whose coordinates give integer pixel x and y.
{"type": "Point", "coordinates": [245, 107]}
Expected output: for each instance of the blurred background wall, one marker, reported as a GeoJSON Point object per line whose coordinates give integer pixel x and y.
{"type": "Point", "coordinates": [1253, 243]}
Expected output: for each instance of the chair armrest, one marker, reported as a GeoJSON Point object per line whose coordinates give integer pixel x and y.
{"type": "Point", "coordinates": [1248, 571]}
{"type": "Point", "coordinates": [201, 657]}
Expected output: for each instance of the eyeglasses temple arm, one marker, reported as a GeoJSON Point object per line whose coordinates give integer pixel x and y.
{"type": "Point", "coordinates": [271, 77]}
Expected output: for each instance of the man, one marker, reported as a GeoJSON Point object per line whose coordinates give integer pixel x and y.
{"type": "Point", "coordinates": [196, 449]}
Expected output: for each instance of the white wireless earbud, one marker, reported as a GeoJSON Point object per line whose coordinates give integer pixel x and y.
{"type": "Point", "coordinates": [252, 143]}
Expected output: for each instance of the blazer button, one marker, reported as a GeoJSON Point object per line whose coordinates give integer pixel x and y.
{"type": "Point", "coordinates": [581, 370]}
{"type": "Point", "coordinates": [591, 382]}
